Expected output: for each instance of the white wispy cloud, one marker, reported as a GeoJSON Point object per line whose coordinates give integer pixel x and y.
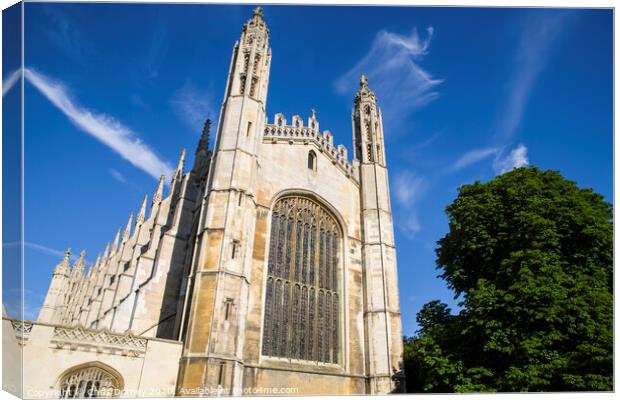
{"type": "Point", "coordinates": [61, 31]}
{"type": "Point", "coordinates": [10, 81]}
{"type": "Point", "coordinates": [40, 248]}
{"type": "Point", "coordinates": [408, 188]}
{"type": "Point", "coordinates": [531, 56]}
{"type": "Point", "coordinates": [193, 105]}
{"type": "Point", "coordinates": [504, 159]}
{"type": "Point", "coordinates": [516, 158]}
{"type": "Point", "coordinates": [117, 175]}
{"type": "Point", "coordinates": [393, 67]}
{"type": "Point", "coordinates": [473, 156]}
{"type": "Point", "coordinates": [103, 127]}
{"type": "Point", "coordinates": [530, 59]}
{"type": "Point", "coordinates": [156, 51]}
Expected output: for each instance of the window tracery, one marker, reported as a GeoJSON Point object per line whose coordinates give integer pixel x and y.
{"type": "Point", "coordinates": [89, 382]}
{"type": "Point", "coordinates": [301, 294]}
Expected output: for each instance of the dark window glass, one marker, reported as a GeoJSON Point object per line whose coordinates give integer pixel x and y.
{"type": "Point", "coordinates": [301, 294]}
{"type": "Point", "coordinates": [312, 160]}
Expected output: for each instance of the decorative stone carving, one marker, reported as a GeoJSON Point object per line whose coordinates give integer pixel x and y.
{"type": "Point", "coordinates": [297, 133]}
{"type": "Point", "coordinates": [22, 330]}
{"type": "Point", "coordinates": [104, 339]}
{"type": "Point", "coordinates": [89, 381]}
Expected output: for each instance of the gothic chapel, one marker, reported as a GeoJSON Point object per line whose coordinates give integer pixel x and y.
{"type": "Point", "coordinates": [271, 263]}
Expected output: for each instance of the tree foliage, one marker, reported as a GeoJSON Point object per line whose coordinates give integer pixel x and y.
{"type": "Point", "coordinates": [530, 255]}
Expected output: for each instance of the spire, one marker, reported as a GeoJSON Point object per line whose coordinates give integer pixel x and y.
{"type": "Point", "coordinates": [178, 172]}
{"type": "Point", "coordinates": [127, 231]}
{"type": "Point", "coordinates": [63, 266]}
{"type": "Point", "coordinates": [364, 93]}
{"type": "Point", "coordinates": [204, 138]}
{"type": "Point", "coordinates": [255, 29]}
{"type": "Point", "coordinates": [78, 266]}
{"type": "Point", "coordinates": [258, 19]}
{"type": "Point", "coordinates": [97, 261]}
{"type": "Point", "coordinates": [364, 81]}
{"type": "Point", "coordinates": [106, 252]}
{"type": "Point", "coordinates": [117, 239]}
{"type": "Point", "coordinates": [368, 141]}
{"type": "Point", "coordinates": [159, 192]}
{"type": "Point", "coordinates": [142, 213]}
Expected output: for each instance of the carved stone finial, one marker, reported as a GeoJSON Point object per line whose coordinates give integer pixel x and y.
{"type": "Point", "coordinates": [81, 259]}
{"type": "Point", "coordinates": [206, 127]}
{"type": "Point", "coordinates": [256, 31]}
{"type": "Point", "coordinates": [178, 173]}
{"type": "Point", "coordinates": [363, 81]}
{"type": "Point", "coordinates": [117, 238]}
{"type": "Point", "coordinates": [142, 212]}
{"type": "Point", "coordinates": [106, 252]}
{"type": "Point", "coordinates": [181, 160]}
{"type": "Point", "coordinates": [127, 231]}
{"type": "Point", "coordinates": [203, 143]}
{"type": "Point", "coordinates": [312, 121]}
{"type": "Point", "coordinates": [63, 266]}
{"type": "Point", "coordinates": [159, 193]}
{"type": "Point", "coordinates": [364, 94]}
{"type": "Point", "coordinates": [78, 266]}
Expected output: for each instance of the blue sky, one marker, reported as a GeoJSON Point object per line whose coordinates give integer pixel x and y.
{"type": "Point", "coordinates": [114, 92]}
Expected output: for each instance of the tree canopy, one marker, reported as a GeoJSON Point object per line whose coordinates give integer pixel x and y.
{"type": "Point", "coordinates": [530, 256]}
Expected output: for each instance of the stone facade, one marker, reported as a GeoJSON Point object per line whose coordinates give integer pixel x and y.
{"type": "Point", "coordinates": [212, 263]}
{"type": "Point", "coordinates": [138, 366]}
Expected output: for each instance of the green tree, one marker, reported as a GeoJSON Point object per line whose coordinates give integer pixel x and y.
{"type": "Point", "coordinates": [530, 255]}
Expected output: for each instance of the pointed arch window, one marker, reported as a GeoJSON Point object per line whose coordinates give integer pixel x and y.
{"type": "Point", "coordinates": [301, 319]}
{"type": "Point", "coordinates": [312, 160]}
{"type": "Point", "coordinates": [90, 381]}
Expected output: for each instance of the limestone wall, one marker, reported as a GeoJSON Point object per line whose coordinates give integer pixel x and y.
{"type": "Point", "coordinates": [284, 170]}
{"type": "Point", "coordinates": [147, 367]}
{"type": "Point", "coordinates": [11, 359]}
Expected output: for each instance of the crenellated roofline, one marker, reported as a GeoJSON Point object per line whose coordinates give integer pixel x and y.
{"type": "Point", "coordinates": [280, 131]}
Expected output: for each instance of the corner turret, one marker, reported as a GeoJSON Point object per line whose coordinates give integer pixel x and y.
{"type": "Point", "coordinates": [55, 302]}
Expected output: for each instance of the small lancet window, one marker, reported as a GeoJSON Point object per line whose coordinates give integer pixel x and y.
{"type": "Point", "coordinates": [220, 378]}
{"type": "Point", "coordinates": [249, 131]}
{"type": "Point", "coordinates": [227, 309]}
{"type": "Point", "coordinates": [312, 160]}
{"type": "Point", "coordinates": [235, 246]}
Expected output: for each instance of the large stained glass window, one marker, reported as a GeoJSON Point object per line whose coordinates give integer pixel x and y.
{"type": "Point", "coordinates": [302, 290]}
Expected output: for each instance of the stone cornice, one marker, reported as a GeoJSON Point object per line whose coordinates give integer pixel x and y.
{"type": "Point", "coordinates": [78, 337]}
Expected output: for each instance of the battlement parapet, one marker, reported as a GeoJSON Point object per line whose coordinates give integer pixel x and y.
{"type": "Point", "coordinates": [298, 133]}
